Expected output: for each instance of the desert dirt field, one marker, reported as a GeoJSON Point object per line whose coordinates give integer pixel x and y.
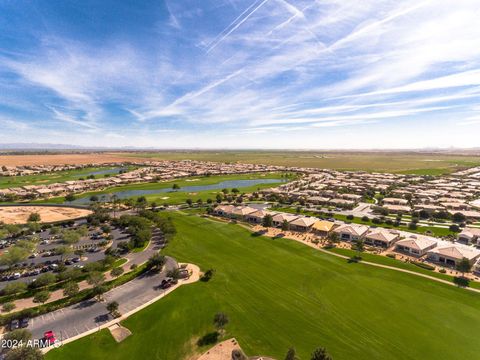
{"type": "Point", "coordinates": [61, 159]}
{"type": "Point", "coordinates": [20, 214]}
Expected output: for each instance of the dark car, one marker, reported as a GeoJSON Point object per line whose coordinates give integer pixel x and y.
{"type": "Point", "coordinates": [76, 259]}
{"type": "Point", "coordinates": [165, 284]}
{"type": "Point", "coordinates": [68, 262]}
{"type": "Point", "coordinates": [24, 322]}
{"type": "Point", "coordinates": [14, 324]}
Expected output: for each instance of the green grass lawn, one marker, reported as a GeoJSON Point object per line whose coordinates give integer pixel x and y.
{"type": "Point", "coordinates": [45, 179]}
{"type": "Point", "coordinates": [280, 293]}
{"type": "Point", "coordinates": [180, 196]}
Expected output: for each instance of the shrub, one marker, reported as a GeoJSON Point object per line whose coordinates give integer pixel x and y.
{"type": "Point", "coordinates": [461, 281]}
{"type": "Point", "coordinates": [350, 217]}
{"type": "Point", "coordinates": [117, 271]}
{"type": "Point", "coordinates": [365, 218]}
{"type": "Point", "coordinates": [393, 256]}
{"type": "Point", "coordinates": [208, 339]}
{"type": "Point", "coordinates": [423, 265]}
{"type": "Point", "coordinates": [443, 271]}
{"type": "Point", "coordinates": [412, 226]}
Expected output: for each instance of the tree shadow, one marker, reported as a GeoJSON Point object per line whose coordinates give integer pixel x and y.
{"type": "Point", "coordinates": [208, 339]}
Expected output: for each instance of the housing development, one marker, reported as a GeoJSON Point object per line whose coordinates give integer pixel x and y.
{"type": "Point", "coordinates": [239, 180]}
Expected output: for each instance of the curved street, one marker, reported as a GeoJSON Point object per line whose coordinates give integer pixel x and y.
{"type": "Point", "coordinates": [89, 314]}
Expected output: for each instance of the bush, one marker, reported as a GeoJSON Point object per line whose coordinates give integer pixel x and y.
{"type": "Point", "coordinates": [393, 256]}
{"type": "Point", "coordinates": [117, 271]}
{"type": "Point", "coordinates": [207, 275]}
{"type": "Point", "coordinates": [412, 226]}
{"type": "Point", "coordinates": [365, 218]}
{"type": "Point", "coordinates": [461, 281]}
{"type": "Point", "coordinates": [350, 217]}
{"type": "Point", "coordinates": [423, 265]}
{"type": "Point", "coordinates": [443, 271]}
{"type": "Point", "coordinates": [14, 288]}
{"type": "Point", "coordinates": [7, 307]}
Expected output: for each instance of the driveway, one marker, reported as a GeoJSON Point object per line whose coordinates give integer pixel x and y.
{"type": "Point", "coordinates": [90, 314]}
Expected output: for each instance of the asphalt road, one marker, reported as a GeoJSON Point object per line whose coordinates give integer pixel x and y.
{"type": "Point", "coordinates": [89, 314]}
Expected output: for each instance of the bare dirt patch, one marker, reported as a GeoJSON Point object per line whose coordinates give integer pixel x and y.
{"type": "Point", "coordinates": [221, 351]}
{"type": "Point", "coordinates": [119, 332]}
{"type": "Point", "coordinates": [61, 159]}
{"type": "Point", "coordinates": [20, 214]}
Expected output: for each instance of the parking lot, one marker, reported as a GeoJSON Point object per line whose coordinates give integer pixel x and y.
{"type": "Point", "coordinates": [44, 259]}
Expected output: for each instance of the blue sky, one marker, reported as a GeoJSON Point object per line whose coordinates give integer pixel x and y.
{"type": "Point", "coordinates": [241, 73]}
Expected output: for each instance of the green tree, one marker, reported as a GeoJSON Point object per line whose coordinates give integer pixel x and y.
{"type": "Point", "coordinates": [291, 354]}
{"type": "Point", "coordinates": [285, 225]}
{"type": "Point", "coordinates": [112, 307]}
{"type": "Point", "coordinates": [320, 354]}
{"type": "Point", "coordinates": [70, 289]}
{"type": "Point", "coordinates": [267, 221]}
{"type": "Point", "coordinates": [156, 262]}
{"type": "Point", "coordinates": [45, 279]}
{"type": "Point", "coordinates": [117, 271]}
{"type": "Point", "coordinates": [8, 306]}
{"type": "Point", "coordinates": [464, 266]}
{"type": "Point", "coordinates": [19, 335]}
{"type": "Point", "coordinates": [14, 287]}
{"type": "Point", "coordinates": [41, 297]}
{"type": "Point", "coordinates": [70, 197]}
{"type": "Point", "coordinates": [96, 278]}
{"type": "Point", "coordinates": [220, 320]}
{"type": "Point", "coordinates": [34, 217]}
{"type": "Point", "coordinates": [14, 255]}
{"type": "Point", "coordinates": [176, 187]}
{"type": "Point", "coordinates": [189, 202]}
{"type": "Point", "coordinates": [235, 191]}
{"type": "Point", "coordinates": [24, 353]}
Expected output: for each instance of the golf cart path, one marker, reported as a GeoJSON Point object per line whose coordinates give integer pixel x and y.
{"type": "Point", "coordinates": [374, 264]}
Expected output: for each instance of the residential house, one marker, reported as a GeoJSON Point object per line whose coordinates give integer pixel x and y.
{"type": "Point", "coordinates": [381, 237]}
{"type": "Point", "coordinates": [279, 219]}
{"type": "Point", "coordinates": [303, 223]}
{"type": "Point", "coordinates": [416, 245]}
{"type": "Point", "coordinates": [469, 236]}
{"type": "Point", "coordinates": [451, 255]}
{"type": "Point", "coordinates": [323, 227]}
{"type": "Point", "coordinates": [351, 232]}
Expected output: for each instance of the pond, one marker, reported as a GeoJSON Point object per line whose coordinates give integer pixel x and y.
{"type": "Point", "coordinates": [228, 184]}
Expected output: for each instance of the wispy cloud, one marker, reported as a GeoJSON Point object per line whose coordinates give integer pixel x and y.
{"type": "Point", "coordinates": [248, 67]}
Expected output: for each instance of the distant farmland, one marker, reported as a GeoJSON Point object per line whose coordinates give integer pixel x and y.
{"type": "Point", "coordinates": [398, 162]}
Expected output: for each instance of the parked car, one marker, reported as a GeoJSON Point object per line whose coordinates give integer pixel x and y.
{"type": "Point", "coordinates": [14, 324]}
{"type": "Point", "coordinates": [49, 337]}
{"type": "Point", "coordinates": [24, 322]}
{"type": "Point", "coordinates": [76, 259]}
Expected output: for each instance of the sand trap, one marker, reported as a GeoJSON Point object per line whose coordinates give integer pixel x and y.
{"type": "Point", "coordinates": [20, 214]}
{"type": "Point", "coordinates": [165, 197]}
{"type": "Point", "coordinates": [119, 332]}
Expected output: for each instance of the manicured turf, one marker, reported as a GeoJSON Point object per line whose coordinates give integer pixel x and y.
{"type": "Point", "coordinates": [45, 179]}
{"type": "Point", "coordinates": [180, 196]}
{"type": "Point", "coordinates": [280, 293]}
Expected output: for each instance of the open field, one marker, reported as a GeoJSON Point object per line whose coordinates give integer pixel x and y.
{"type": "Point", "coordinates": [279, 293]}
{"type": "Point", "coordinates": [61, 159]}
{"type": "Point", "coordinates": [420, 163]}
{"type": "Point", "coordinates": [400, 162]}
{"type": "Point", "coordinates": [45, 179]}
{"type": "Point", "coordinates": [181, 195]}
{"type": "Point", "coordinates": [20, 214]}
